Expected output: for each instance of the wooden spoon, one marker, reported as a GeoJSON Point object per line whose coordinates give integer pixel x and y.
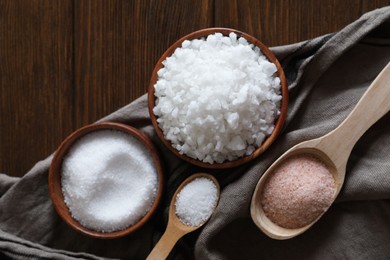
{"type": "Point", "coordinates": [177, 229]}
{"type": "Point", "coordinates": [333, 149]}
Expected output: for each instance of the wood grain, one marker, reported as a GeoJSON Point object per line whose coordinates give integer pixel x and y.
{"type": "Point", "coordinates": [35, 81]}
{"type": "Point", "coordinates": [282, 22]}
{"type": "Point", "coordinates": [117, 44]}
{"type": "Point", "coordinates": [67, 63]}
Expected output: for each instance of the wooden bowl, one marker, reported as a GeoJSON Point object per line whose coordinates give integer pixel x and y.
{"type": "Point", "coordinates": [279, 120]}
{"type": "Point", "coordinates": [54, 178]}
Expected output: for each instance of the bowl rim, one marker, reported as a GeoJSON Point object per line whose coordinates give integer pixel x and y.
{"type": "Point", "coordinates": [278, 122]}
{"type": "Point", "coordinates": [54, 178]}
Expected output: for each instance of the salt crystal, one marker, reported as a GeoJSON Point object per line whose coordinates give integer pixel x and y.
{"type": "Point", "coordinates": [210, 87]}
{"type": "Point", "coordinates": [196, 201]}
{"type": "Point", "coordinates": [233, 37]}
{"type": "Point", "coordinates": [232, 120]}
{"type": "Point", "coordinates": [250, 150]}
{"type": "Point", "coordinates": [298, 191]}
{"type": "Point", "coordinates": [186, 44]}
{"type": "Point", "coordinates": [236, 144]}
{"type": "Point", "coordinates": [269, 69]}
{"type": "Point", "coordinates": [242, 41]}
{"type": "Point", "coordinates": [108, 180]}
{"type": "Point", "coordinates": [196, 43]}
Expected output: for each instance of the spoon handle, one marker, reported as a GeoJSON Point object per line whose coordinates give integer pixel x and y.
{"type": "Point", "coordinates": [164, 246]}
{"type": "Point", "coordinates": [373, 105]}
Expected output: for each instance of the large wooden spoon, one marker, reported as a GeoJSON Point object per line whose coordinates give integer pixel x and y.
{"type": "Point", "coordinates": [176, 228]}
{"type": "Point", "coordinates": [333, 149]}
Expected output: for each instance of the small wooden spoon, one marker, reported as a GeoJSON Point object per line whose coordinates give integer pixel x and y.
{"type": "Point", "coordinates": [333, 149]}
{"type": "Point", "coordinates": [177, 229]}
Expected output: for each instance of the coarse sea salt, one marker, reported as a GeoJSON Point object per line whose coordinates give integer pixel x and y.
{"type": "Point", "coordinates": [196, 201]}
{"type": "Point", "coordinates": [217, 98]}
{"type": "Point", "coordinates": [298, 191]}
{"type": "Point", "coordinates": [108, 180]}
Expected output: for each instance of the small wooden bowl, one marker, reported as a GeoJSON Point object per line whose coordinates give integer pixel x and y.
{"type": "Point", "coordinates": [278, 123]}
{"type": "Point", "coordinates": [54, 178]}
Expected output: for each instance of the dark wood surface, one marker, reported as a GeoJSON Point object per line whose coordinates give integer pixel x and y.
{"type": "Point", "coordinates": [64, 64]}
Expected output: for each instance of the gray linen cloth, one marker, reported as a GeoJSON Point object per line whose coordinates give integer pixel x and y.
{"type": "Point", "coordinates": [327, 76]}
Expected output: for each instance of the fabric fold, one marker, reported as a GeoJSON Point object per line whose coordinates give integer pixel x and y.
{"type": "Point", "coordinates": [327, 76]}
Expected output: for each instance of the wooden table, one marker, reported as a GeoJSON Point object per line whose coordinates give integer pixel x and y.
{"type": "Point", "coordinates": [67, 63]}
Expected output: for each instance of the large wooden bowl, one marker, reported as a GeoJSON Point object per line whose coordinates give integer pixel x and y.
{"type": "Point", "coordinates": [278, 123]}
{"type": "Point", "coordinates": [54, 179]}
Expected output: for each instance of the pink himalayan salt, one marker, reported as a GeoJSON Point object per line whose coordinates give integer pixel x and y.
{"type": "Point", "coordinates": [298, 191]}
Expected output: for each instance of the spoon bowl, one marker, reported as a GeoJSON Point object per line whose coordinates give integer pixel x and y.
{"type": "Point", "coordinates": [257, 212]}
{"type": "Point", "coordinates": [176, 228]}
{"type": "Point", "coordinates": [333, 149]}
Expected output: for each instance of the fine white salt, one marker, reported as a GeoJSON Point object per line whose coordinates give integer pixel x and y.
{"type": "Point", "coordinates": [196, 201]}
{"type": "Point", "coordinates": [108, 180]}
{"type": "Point", "coordinates": [217, 98]}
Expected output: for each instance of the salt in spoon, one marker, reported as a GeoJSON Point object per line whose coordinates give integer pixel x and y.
{"type": "Point", "coordinates": [176, 228]}
{"type": "Point", "coordinates": [333, 149]}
